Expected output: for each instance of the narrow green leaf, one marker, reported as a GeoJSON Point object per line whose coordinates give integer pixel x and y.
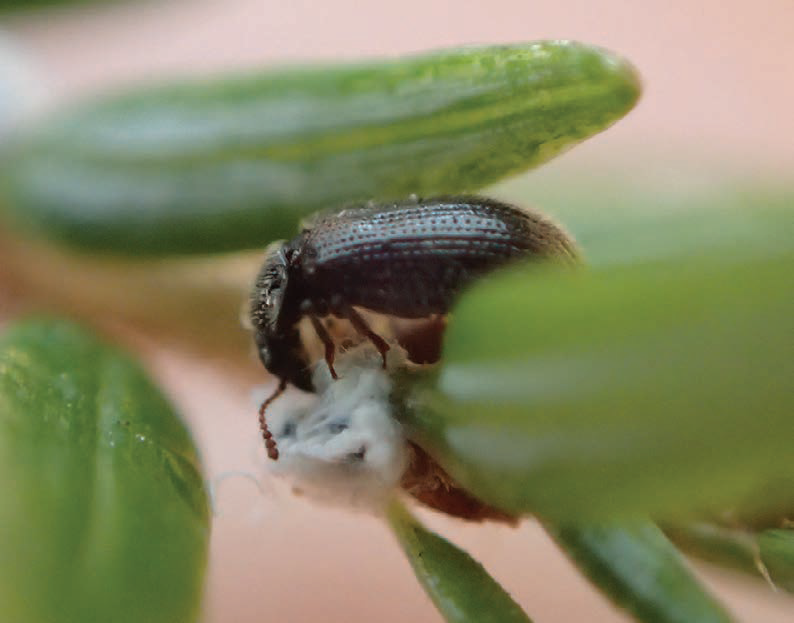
{"type": "Point", "coordinates": [639, 570]}
{"type": "Point", "coordinates": [209, 167]}
{"type": "Point", "coordinates": [768, 554]}
{"type": "Point", "coordinates": [777, 555]}
{"type": "Point", "coordinates": [659, 387]}
{"type": "Point", "coordinates": [458, 585]}
{"type": "Point", "coordinates": [104, 514]}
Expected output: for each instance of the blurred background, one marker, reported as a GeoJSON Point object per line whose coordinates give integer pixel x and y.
{"type": "Point", "coordinates": [717, 102]}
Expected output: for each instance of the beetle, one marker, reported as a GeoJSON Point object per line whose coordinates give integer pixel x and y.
{"type": "Point", "coordinates": [409, 259]}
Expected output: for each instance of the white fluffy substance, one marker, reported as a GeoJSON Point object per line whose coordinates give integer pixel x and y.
{"type": "Point", "coordinates": [342, 446]}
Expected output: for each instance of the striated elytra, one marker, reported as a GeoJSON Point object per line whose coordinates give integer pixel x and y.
{"type": "Point", "coordinates": [408, 259]}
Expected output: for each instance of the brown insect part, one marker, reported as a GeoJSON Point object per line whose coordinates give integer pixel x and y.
{"type": "Point", "coordinates": [270, 443]}
{"type": "Point", "coordinates": [427, 481]}
{"type": "Point", "coordinates": [422, 339]}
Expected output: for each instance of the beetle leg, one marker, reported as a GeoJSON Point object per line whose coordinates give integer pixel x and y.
{"type": "Point", "coordinates": [330, 347]}
{"type": "Point", "coordinates": [364, 329]}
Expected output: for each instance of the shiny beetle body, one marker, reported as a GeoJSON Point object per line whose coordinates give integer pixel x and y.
{"type": "Point", "coordinates": [408, 259]}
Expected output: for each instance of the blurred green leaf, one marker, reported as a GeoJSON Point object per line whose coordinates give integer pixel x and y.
{"type": "Point", "coordinates": [767, 554]}
{"type": "Point", "coordinates": [104, 514]}
{"type": "Point", "coordinates": [658, 386]}
{"type": "Point", "coordinates": [628, 212]}
{"type": "Point", "coordinates": [21, 90]}
{"type": "Point", "coordinates": [218, 166]}
{"type": "Point", "coordinates": [458, 585]}
{"type": "Point", "coordinates": [777, 555]}
{"type": "Point", "coordinates": [35, 5]}
{"type": "Point", "coordinates": [639, 570]}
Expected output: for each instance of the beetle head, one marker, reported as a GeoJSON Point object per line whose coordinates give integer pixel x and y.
{"type": "Point", "coordinates": [274, 320]}
{"type": "Point", "coordinates": [267, 298]}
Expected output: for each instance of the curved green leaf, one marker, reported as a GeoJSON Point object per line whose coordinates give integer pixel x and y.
{"type": "Point", "coordinates": [658, 387]}
{"type": "Point", "coordinates": [209, 167]}
{"type": "Point", "coordinates": [104, 514]}
{"type": "Point", "coordinates": [639, 570]}
{"type": "Point", "coordinates": [458, 585]}
{"type": "Point", "coordinates": [768, 554]}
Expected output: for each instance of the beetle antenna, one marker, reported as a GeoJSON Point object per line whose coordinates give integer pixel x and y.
{"type": "Point", "coordinates": [270, 443]}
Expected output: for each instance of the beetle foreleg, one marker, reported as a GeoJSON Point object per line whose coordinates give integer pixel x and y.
{"type": "Point", "coordinates": [360, 325]}
{"type": "Point", "coordinates": [330, 347]}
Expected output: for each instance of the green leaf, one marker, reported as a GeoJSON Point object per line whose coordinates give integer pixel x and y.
{"type": "Point", "coordinates": [198, 167]}
{"type": "Point", "coordinates": [14, 6]}
{"type": "Point", "coordinates": [657, 386]}
{"type": "Point", "coordinates": [768, 554]}
{"type": "Point", "coordinates": [639, 570]}
{"type": "Point", "coordinates": [104, 514]}
{"type": "Point", "coordinates": [458, 585]}
{"type": "Point", "coordinates": [630, 212]}
{"type": "Point", "coordinates": [777, 555]}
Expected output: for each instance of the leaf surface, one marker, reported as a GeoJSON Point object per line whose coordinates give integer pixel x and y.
{"type": "Point", "coordinates": [234, 164]}
{"type": "Point", "coordinates": [458, 585]}
{"type": "Point", "coordinates": [104, 514]}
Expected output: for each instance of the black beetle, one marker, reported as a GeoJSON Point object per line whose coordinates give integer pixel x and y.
{"type": "Point", "coordinates": [409, 259]}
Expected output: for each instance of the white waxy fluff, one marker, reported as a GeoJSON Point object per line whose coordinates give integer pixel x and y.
{"type": "Point", "coordinates": [342, 446]}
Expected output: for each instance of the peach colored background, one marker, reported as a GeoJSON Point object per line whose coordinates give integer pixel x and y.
{"type": "Point", "coordinates": [719, 89]}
